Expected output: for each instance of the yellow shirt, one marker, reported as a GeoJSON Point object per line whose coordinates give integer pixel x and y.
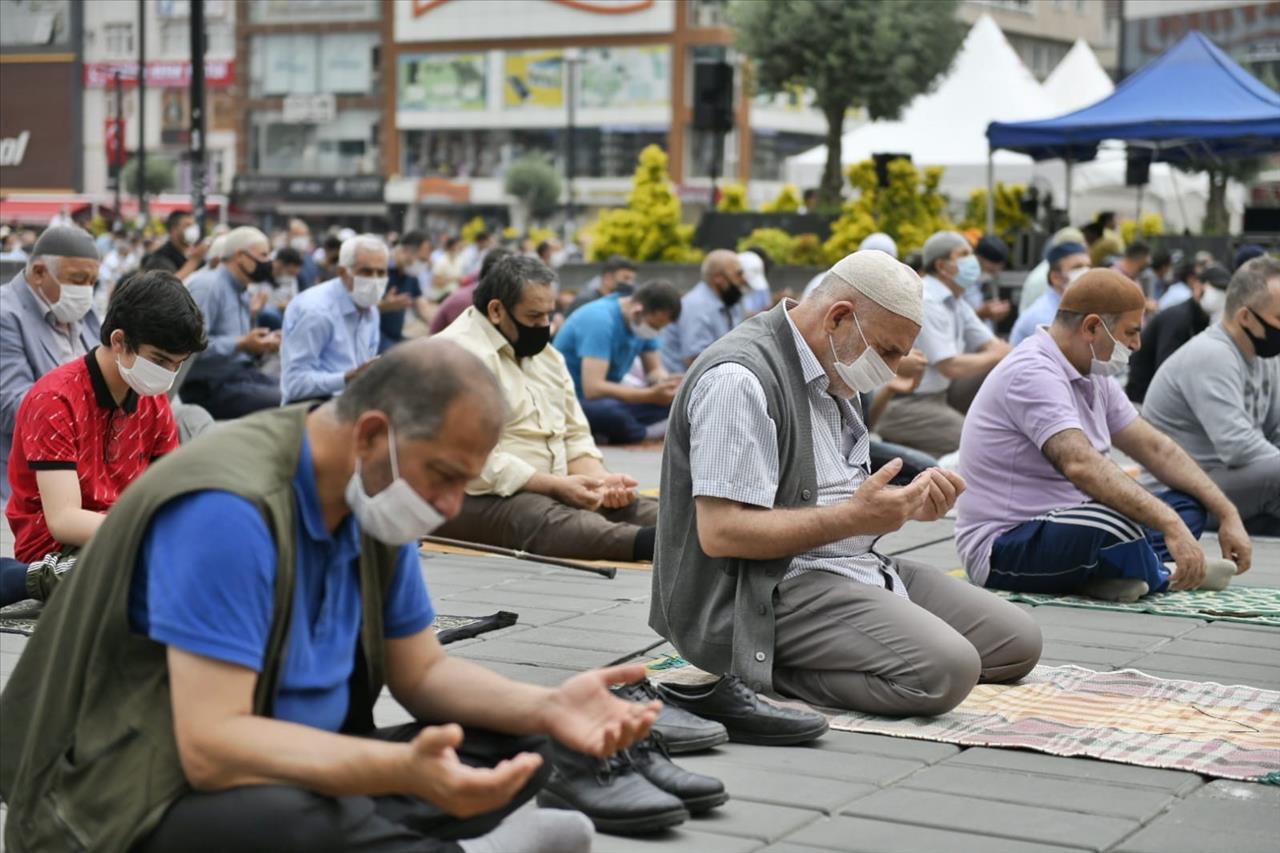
{"type": "Point", "coordinates": [545, 428]}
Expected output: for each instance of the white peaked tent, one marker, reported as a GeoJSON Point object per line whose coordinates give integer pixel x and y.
{"type": "Point", "coordinates": [947, 127]}
{"type": "Point", "coordinates": [1078, 80]}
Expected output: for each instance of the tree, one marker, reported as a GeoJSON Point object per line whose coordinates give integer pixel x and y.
{"type": "Point", "coordinates": [1010, 217]}
{"type": "Point", "coordinates": [535, 182]}
{"type": "Point", "coordinates": [851, 53]}
{"type": "Point", "coordinates": [1217, 220]}
{"type": "Point", "coordinates": [909, 209]}
{"type": "Point", "coordinates": [159, 175]}
{"type": "Point", "coordinates": [649, 227]}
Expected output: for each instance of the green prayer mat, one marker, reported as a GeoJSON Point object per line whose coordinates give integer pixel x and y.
{"type": "Point", "coordinates": [1250, 605]}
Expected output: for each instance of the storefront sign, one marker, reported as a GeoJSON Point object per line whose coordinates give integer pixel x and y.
{"type": "Point", "coordinates": [13, 150]}
{"type": "Point", "coordinates": [533, 78]}
{"type": "Point", "coordinates": [39, 142]}
{"type": "Point", "coordinates": [442, 82]}
{"type": "Point", "coordinates": [218, 73]}
{"type": "Point", "coordinates": [451, 20]}
{"type": "Point", "coordinates": [361, 189]}
{"type": "Point", "coordinates": [309, 109]}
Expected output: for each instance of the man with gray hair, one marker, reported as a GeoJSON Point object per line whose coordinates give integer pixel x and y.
{"type": "Point", "coordinates": [961, 350]}
{"type": "Point", "coordinates": [227, 378]}
{"type": "Point", "coordinates": [707, 312]}
{"type": "Point", "coordinates": [765, 569]}
{"type": "Point", "coordinates": [331, 331]}
{"type": "Point", "coordinates": [46, 320]}
{"type": "Point", "coordinates": [1218, 396]}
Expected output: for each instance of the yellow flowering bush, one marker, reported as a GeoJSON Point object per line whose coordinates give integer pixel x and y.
{"type": "Point", "coordinates": [733, 198]}
{"type": "Point", "coordinates": [909, 209]}
{"type": "Point", "coordinates": [649, 227]}
{"type": "Point", "coordinates": [788, 201]}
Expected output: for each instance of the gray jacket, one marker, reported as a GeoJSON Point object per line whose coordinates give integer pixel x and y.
{"type": "Point", "coordinates": [27, 352]}
{"type": "Point", "coordinates": [718, 612]}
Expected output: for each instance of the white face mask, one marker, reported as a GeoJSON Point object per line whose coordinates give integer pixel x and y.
{"type": "Point", "coordinates": [146, 377]}
{"type": "Point", "coordinates": [642, 330]}
{"type": "Point", "coordinates": [397, 515]}
{"type": "Point", "coordinates": [74, 301]}
{"type": "Point", "coordinates": [1114, 366]}
{"type": "Point", "coordinates": [191, 234]}
{"type": "Point", "coordinates": [1075, 274]}
{"type": "Point", "coordinates": [301, 244]}
{"type": "Point", "coordinates": [867, 372]}
{"type": "Point", "coordinates": [1214, 302]}
{"type": "Point", "coordinates": [367, 291]}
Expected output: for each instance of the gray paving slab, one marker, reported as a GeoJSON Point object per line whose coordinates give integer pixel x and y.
{"type": "Point", "coordinates": [806, 760]}
{"type": "Point", "coordinates": [576, 638]}
{"type": "Point", "coordinates": [1220, 671]}
{"type": "Point", "coordinates": [585, 586]}
{"type": "Point", "coordinates": [1003, 820]}
{"type": "Point", "coordinates": [1113, 620]}
{"type": "Point", "coordinates": [1093, 657]}
{"type": "Point", "coordinates": [1175, 781]}
{"type": "Point", "coordinates": [606, 622]}
{"type": "Point", "coordinates": [1211, 823]}
{"type": "Point", "coordinates": [1101, 638]}
{"type": "Point", "coordinates": [762, 821]}
{"type": "Point", "coordinates": [1236, 634]}
{"type": "Point", "coordinates": [1079, 795]}
{"type": "Point", "coordinates": [923, 751]}
{"type": "Point", "coordinates": [867, 835]}
{"type": "Point", "coordinates": [679, 840]}
{"type": "Point", "coordinates": [1229, 789]}
{"type": "Point", "coordinates": [518, 650]}
{"type": "Point", "coordinates": [1191, 646]}
{"type": "Point", "coordinates": [545, 676]}
{"type": "Point", "coordinates": [778, 787]}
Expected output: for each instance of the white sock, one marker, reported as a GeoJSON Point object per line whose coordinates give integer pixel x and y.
{"type": "Point", "coordinates": [535, 830]}
{"type": "Point", "coordinates": [655, 431]}
{"type": "Point", "coordinates": [1217, 573]}
{"type": "Point", "coordinates": [1126, 590]}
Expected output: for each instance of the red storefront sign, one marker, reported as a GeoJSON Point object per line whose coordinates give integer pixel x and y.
{"type": "Point", "coordinates": [218, 73]}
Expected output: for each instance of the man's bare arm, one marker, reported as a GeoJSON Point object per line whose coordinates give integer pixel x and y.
{"type": "Point", "coordinates": [1171, 465]}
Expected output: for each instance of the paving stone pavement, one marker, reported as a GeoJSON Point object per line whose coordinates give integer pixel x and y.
{"type": "Point", "coordinates": [860, 792]}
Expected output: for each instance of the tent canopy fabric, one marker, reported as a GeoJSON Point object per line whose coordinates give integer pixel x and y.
{"type": "Point", "coordinates": [1191, 101]}
{"type": "Point", "coordinates": [1078, 80]}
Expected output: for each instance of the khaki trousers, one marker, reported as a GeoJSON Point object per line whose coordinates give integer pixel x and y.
{"type": "Point", "coordinates": [845, 644]}
{"type": "Point", "coordinates": [542, 525]}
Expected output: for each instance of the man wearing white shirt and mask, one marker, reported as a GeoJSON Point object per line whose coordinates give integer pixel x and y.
{"type": "Point", "coordinates": [331, 330]}
{"type": "Point", "coordinates": [46, 320]}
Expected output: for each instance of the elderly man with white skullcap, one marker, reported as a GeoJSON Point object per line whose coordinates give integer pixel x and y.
{"type": "Point", "coordinates": [765, 572]}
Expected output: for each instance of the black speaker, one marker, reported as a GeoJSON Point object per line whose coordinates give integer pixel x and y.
{"type": "Point", "coordinates": [713, 96]}
{"type": "Point", "coordinates": [1137, 167]}
{"type": "Point", "coordinates": [882, 162]}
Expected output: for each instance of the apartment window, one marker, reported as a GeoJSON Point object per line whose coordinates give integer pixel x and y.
{"type": "Point", "coordinates": [308, 63]}
{"type": "Point", "coordinates": [709, 13]}
{"type": "Point", "coordinates": [345, 146]}
{"type": "Point", "coordinates": [117, 39]}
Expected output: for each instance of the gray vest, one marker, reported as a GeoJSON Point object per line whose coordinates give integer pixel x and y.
{"type": "Point", "coordinates": [718, 612]}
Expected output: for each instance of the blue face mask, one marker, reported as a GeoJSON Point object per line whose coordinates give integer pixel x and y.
{"type": "Point", "coordinates": [968, 271]}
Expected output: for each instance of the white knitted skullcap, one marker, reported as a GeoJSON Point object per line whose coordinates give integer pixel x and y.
{"type": "Point", "coordinates": [890, 284]}
{"type": "Point", "coordinates": [879, 241]}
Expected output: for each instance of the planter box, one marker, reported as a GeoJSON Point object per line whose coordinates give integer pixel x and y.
{"type": "Point", "coordinates": [685, 276]}
{"type": "Point", "coordinates": [724, 230]}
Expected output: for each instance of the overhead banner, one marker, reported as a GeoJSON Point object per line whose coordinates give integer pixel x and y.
{"type": "Point", "coordinates": [442, 82]}
{"type": "Point", "coordinates": [619, 77]}
{"type": "Point", "coordinates": [218, 73]}
{"type": "Point", "coordinates": [533, 78]}
{"type": "Point", "coordinates": [452, 20]}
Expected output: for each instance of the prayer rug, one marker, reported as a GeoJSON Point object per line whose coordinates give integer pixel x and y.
{"type": "Point", "coordinates": [456, 550]}
{"type": "Point", "coordinates": [1252, 605]}
{"type": "Point", "coordinates": [1127, 716]}
{"type": "Point", "coordinates": [20, 618]}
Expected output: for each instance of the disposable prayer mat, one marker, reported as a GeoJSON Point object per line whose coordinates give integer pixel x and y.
{"type": "Point", "coordinates": [450, 629]}
{"type": "Point", "coordinates": [456, 550]}
{"type": "Point", "coordinates": [1253, 605]}
{"type": "Point", "coordinates": [1127, 716]}
{"type": "Point", "coordinates": [20, 618]}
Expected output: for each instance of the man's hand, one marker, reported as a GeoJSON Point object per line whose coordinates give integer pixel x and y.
{"type": "Point", "coordinates": [618, 490]}
{"type": "Point", "coordinates": [583, 715]}
{"type": "Point", "coordinates": [1235, 543]}
{"type": "Point", "coordinates": [999, 348]}
{"type": "Point", "coordinates": [394, 300]}
{"type": "Point", "coordinates": [356, 371]}
{"type": "Point", "coordinates": [994, 309]}
{"type": "Point", "coordinates": [259, 341]}
{"type": "Point", "coordinates": [258, 301]}
{"type": "Point", "coordinates": [879, 508]}
{"type": "Point", "coordinates": [944, 487]}
{"type": "Point", "coordinates": [1185, 550]}
{"type": "Point", "coordinates": [663, 393]}
{"type": "Point", "coordinates": [433, 772]}
{"type": "Point", "coordinates": [199, 250]}
{"type": "Point", "coordinates": [580, 491]}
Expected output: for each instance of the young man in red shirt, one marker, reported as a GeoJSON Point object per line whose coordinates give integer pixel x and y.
{"type": "Point", "coordinates": [88, 429]}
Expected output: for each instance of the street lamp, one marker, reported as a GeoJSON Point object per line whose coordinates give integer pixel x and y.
{"type": "Point", "coordinates": [572, 58]}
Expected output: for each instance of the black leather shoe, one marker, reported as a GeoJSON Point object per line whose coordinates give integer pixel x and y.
{"type": "Point", "coordinates": [683, 732]}
{"type": "Point", "coordinates": [748, 719]}
{"type": "Point", "coordinates": [610, 792]}
{"type": "Point", "coordinates": [698, 793]}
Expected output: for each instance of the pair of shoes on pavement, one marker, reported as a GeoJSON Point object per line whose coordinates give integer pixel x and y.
{"type": "Point", "coordinates": [641, 790]}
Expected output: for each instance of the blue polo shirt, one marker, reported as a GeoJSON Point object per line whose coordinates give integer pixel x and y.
{"type": "Point", "coordinates": [598, 330]}
{"type": "Point", "coordinates": [205, 583]}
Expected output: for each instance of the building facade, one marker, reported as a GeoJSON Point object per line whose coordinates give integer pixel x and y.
{"type": "Point", "coordinates": [1042, 31]}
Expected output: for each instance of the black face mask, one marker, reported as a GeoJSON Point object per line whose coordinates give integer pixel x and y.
{"type": "Point", "coordinates": [530, 340]}
{"type": "Point", "coordinates": [261, 271]}
{"type": "Point", "coordinates": [731, 296]}
{"type": "Point", "coordinates": [624, 289]}
{"type": "Point", "coordinates": [1267, 346]}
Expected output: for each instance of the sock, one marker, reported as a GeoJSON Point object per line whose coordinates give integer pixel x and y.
{"type": "Point", "coordinates": [1127, 590]}
{"type": "Point", "coordinates": [13, 580]}
{"type": "Point", "coordinates": [655, 431]}
{"type": "Point", "coordinates": [1217, 574]}
{"type": "Point", "coordinates": [535, 830]}
{"type": "Point", "coordinates": [643, 549]}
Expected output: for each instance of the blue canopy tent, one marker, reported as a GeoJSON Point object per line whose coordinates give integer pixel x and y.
{"type": "Point", "coordinates": [1193, 102]}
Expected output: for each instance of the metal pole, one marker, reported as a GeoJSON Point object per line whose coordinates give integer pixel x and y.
{"type": "Point", "coordinates": [571, 60]}
{"type": "Point", "coordinates": [717, 153]}
{"type": "Point", "coordinates": [1121, 56]}
{"type": "Point", "coordinates": [119, 140]}
{"type": "Point", "coordinates": [991, 191]}
{"type": "Point", "coordinates": [1067, 206]}
{"type": "Point", "coordinates": [142, 113]}
{"type": "Point", "coordinates": [197, 113]}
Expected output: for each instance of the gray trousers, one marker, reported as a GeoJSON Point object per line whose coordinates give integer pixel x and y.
{"type": "Point", "coordinates": [925, 422]}
{"type": "Point", "coordinates": [845, 644]}
{"type": "Point", "coordinates": [542, 525]}
{"type": "Point", "coordinates": [1255, 490]}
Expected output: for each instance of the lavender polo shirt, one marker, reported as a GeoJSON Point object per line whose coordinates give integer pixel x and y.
{"type": "Point", "coordinates": [1032, 395]}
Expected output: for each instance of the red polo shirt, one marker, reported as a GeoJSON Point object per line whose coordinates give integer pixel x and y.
{"type": "Point", "coordinates": [70, 421]}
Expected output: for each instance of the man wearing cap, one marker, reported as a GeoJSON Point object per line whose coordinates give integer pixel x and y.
{"type": "Point", "coordinates": [1046, 510]}
{"type": "Point", "coordinates": [765, 571]}
{"type": "Point", "coordinates": [617, 276]}
{"type": "Point", "coordinates": [1219, 396]}
{"type": "Point", "coordinates": [46, 320]}
{"type": "Point", "coordinates": [707, 312]}
{"type": "Point", "coordinates": [877, 240]}
{"type": "Point", "coordinates": [758, 296]}
{"type": "Point", "coordinates": [961, 350]}
{"type": "Point", "coordinates": [1174, 326]}
{"type": "Point", "coordinates": [1037, 281]}
{"type": "Point", "coordinates": [992, 255]}
{"type": "Point", "coordinates": [1067, 262]}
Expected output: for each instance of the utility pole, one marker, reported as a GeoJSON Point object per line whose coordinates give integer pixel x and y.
{"type": "Point", "coordinates": [572, 57]}
{"type": "Point", "coordinates": [1121, 48]}
{"type": "Point", "coordinates": [197, 113]}
{"type": "Point", "coordinates": [120, 156]}
{"type": "Point", "coordinates": [142, 113]}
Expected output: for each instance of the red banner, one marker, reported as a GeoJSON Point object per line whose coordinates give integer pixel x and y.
{"type": "Point", "coordinates": [218, 74]}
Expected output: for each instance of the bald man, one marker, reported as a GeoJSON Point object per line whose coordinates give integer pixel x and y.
{"type": "Point", "coordinates": [765, 569]}
{"type": "Point", "coordinates": [707, 312]}
{"type": "Point", "coordinates": [1046, 510]}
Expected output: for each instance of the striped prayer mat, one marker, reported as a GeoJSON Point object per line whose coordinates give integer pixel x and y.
{"type": "Point", "coordinates": [1127, 716]}
{"type": "Point", "coordinates": [1252, 605]}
